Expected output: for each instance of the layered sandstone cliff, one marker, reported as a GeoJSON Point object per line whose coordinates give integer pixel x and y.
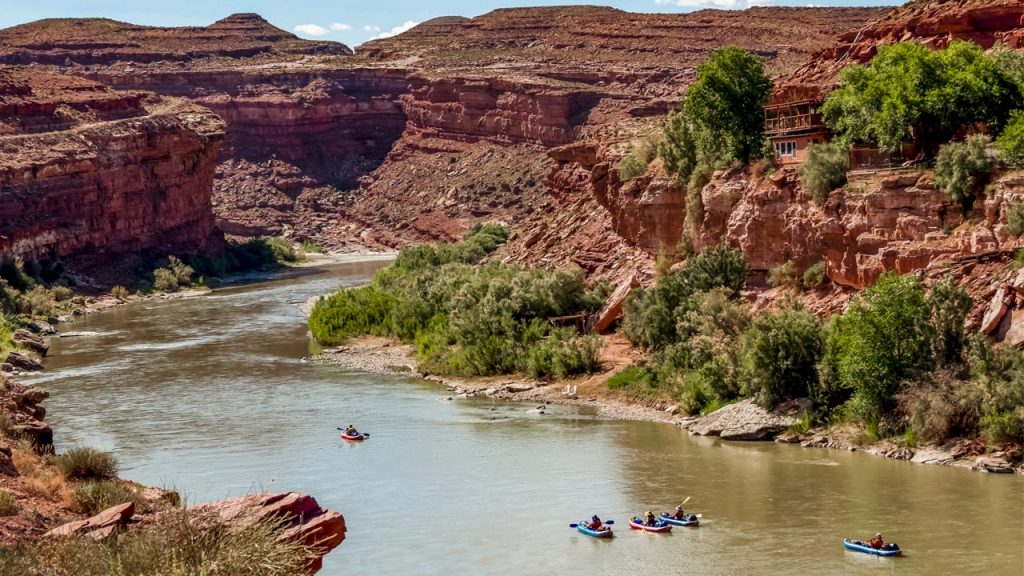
{"type": "Point", "coordinates": [85, 169]}
{"type": "Point", "coordinates": [322, 142]}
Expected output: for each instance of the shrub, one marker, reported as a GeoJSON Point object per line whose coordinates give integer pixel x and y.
{"type": "Point", "coordinates": [784, 275]}
{"type": "Point", "coordinates": [8, 505]}
{"type": "Point", "coordinates": [311, 247]}
{"type": "Point", "coordinates": [961, 169]}
{"type": "Point", "coordinates": [1015, 219]}
{"type": "Point", "coordinates": [883, 339]}
{"type": "Point", "coordinates": [284, 250]}
{"type": "Point", "coordinates": [1004, 426]}
{"type": "Point", "coordinates": [651, 315]}
{"type": "Point", "coordinates": [164, 280]}
{"type": "Point", "coordinates": [119, 292]}
{"type": "Point", "coordinates": [632, 376]}
{"type": "Point", "coordinates": [61, 293]}
{"type": "Point", "coordinates": [814, 277]}
{"type": "Point", "coordinates": [635, 163]}
{"type": "Point", "coordinates": [84, 463]}
{"type": "Point", "coordinates": [949, 306]}
{"type": "Point", "coordinates": [781, 354]}
{"type": "Point", "coordinates": [1011, 141]}
{"type": "Point", "coordinates": [941, 405]}
{"type": "Point", "coordinates": [563, 354]}
{"type": "Point", "coordinates": [38, 302]}
{"type": "Point", "coordinates": [825, 170]}
{"type": "Point", "coordinates": [350, 313]}
{"type": "Point", "coordinates": [182, 272]}
{"type": "Point", "coordinates": [94, 496]}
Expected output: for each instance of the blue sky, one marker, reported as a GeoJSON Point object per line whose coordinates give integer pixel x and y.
{"type": "Point", "coordinates": [346, 21]}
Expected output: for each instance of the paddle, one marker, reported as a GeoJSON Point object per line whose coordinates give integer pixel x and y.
{"type": "Point", "coordinates": [367, 434]}
{"type": "Point", "coordinates": [608, 523]}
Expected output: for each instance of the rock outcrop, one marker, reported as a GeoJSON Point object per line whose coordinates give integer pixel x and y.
{"type": "Point", "coordinates": [97, 527]}
{"type": "Point", "coordinates": [22, 406]}
{"type": "Point", "coordinates": [299, 516]}
{"type": "Point", "coordinates": [743, 420]}
{"type": "Point", "coordinates": [80, 175]}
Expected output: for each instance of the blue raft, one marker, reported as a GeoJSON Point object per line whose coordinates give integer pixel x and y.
{"type": "Point", "coordinates": [858, 546]}
{"type": "Point", "coordinates": [606, 533]}
{"type": "Point", "coordinates": [689, 520]}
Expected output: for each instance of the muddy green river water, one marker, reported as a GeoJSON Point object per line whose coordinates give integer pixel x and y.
{"type": "Point", "coordinates": [211, 396]}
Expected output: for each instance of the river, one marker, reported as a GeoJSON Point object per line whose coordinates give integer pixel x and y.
{"type": "Point", "coordinates": [211, 396]}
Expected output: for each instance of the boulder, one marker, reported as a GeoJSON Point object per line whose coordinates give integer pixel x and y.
{"type": "Point", "coordinates": [935, 455]}
{"type": "Point", "coordinates": [993, 464]}
{"type": "Point", "coordinates": [23, 362]}
{"type": "Point", "coordinates": [742, 421]}
{"type": "Point", "coordinates": [997, 308]}
{"type": "Point", "coordinates": [300, 517]}
{"type": "Point", "coordinates": [40, 327]}
{"type": "Point", "coordinates": [99, 526]}
{"type": "Point", "coordinates": [612, 310]}
{"type": "Point", "coordinates": [30, 341]}
{"type": "Point", "coordinates": [515, 387]}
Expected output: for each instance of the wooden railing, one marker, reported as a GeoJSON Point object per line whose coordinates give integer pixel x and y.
{"type": "Point", "coordinates": [788, 123]}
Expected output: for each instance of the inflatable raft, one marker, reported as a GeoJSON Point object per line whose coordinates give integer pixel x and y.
{"type": "Point", "coordinates": [858, 546]}
{"type": "Point", "coordinates": [604, 532]}
{"type": "Point", "coordinates": [638, 524]}
{"type": "Point", "coordinates": [688, 520]}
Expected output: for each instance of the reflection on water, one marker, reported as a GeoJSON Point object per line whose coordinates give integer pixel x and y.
{"type": "Point", "coordinates": [211, 396]}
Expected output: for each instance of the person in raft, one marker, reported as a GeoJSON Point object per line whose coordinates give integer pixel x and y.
{"type": "Point", "coordinates": [351, 431]}
{"type": "Point", "coordinates": [595, 523]}
{"type": "Point", "coordinates": [877, 543]}
{"type": "Point", "coordinates": [649, 518]}
{"type": "Point", "coordinates": [679, 515]}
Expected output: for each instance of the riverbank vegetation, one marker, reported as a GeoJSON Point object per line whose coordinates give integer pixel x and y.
{"type": "Point", "coordinates": [898, 361]}
{"type": "Point", "coordinates": [238, 257]}
{"type": "Point", "coordinates": [173, 543]}
{"type": "Point", "coordinates": [467, 319]}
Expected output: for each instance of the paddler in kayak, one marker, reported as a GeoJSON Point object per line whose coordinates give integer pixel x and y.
{"type": "Point", "coordinates": [595, 523]}
{"type": "Point", "coordinates": [351, 431]}
{"type": "Point", "coordinates": [649, 518]}
{"type": "Point", "coordinates": [877, 543]}
{"type": "Point", "coordinates": [679, 514]}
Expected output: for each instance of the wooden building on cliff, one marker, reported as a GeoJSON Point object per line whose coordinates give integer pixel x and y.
{"type": "Point", "coordinates": [792, 123]}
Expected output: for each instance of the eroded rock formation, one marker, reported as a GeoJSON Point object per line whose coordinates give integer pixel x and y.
{"type": "Point", "coordinates": [85, 169]}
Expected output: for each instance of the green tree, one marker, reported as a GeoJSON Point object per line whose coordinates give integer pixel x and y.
{"type": "Point", "coordinates": [908, 91]}
{"type": "Point", "coordinates": [961, 169]}
{"type": "Point", "coordinates": [1011, 141]}
{"type": "Point", "coordinates": [825, 170]}
{"type": "Point", "coordinates": [721, 118]}
{"type": "Point", "coordinates": [781, 355]}
{"type": "Point", "coordinates": [884, 338]}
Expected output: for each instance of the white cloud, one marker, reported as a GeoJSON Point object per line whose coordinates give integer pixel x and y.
{"type": "Point", "coordinates": [310, 29]}
{"type": "Point", "coordinates": [724, 4]}
{"type": "Point", "coordinates": [396, 30]}
{"type": "Point", "coordinates": [369, 28]}
{"type": "Point", "coordinates": [339, 27]}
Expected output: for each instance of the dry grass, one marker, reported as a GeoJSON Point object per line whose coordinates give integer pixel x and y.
{"type": "Point", "coordinates": [175, 544]}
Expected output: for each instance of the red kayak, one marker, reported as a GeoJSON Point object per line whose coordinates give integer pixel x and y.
{"type": "Point", "coordinates": [356, 438]}
{"type": "Point", "coordinates": [659, 526]}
